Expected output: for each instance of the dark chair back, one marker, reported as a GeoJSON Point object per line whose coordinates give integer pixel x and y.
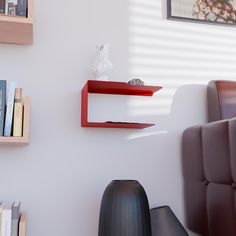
{"type": "Point", "coordinates": [209, 165]}
{"type": "Point", "coordinates": [221, 98]}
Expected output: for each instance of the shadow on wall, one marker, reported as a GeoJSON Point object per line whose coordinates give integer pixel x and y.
{"type": "Point", "coordinates": [188, 107]}
{"type": "Point", "coordinates": [172, 54]}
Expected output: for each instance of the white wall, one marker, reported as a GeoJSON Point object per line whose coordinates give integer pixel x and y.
{"type": "Point", "coordinates": [60, 177]}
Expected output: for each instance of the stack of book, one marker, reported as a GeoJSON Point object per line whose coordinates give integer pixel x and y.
{"type": "Point", "coordinates": [12, 221]}
{"type": "Point", "coordinates": [13, 7]}
{"type": "Point", "coordinates": [11, 110]}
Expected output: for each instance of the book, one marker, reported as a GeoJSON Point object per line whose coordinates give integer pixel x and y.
{"type": "Point", "coordinates": [15, 219]}
{"type": "Point", "coordinates": [9, 110]}
{"type": "Point", "coordinates": [21, 9]}
{"type": "Point", "coordinates": [6, 220]}
{"type": "Point", "coordinates": [18, 113]}
{"type": "Point", "coordinates": [22, 225]}
{"type": "Point", "coordinates": [3, 87]}
{"type": "Point", "coordinates": [2, 6]}
{"type": "Point", "coordinates": [11, 7]}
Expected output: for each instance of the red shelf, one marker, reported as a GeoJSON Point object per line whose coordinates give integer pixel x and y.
{"type": "Point", "coordinates": [111, 87]}
{"type": "Point", "coordinates": [127, 125]}
{"type": "Point", "coordinates": [121, 88]}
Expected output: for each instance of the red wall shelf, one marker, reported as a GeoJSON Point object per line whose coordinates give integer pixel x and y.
{"type": "Point", "coordinates": [118, 88]}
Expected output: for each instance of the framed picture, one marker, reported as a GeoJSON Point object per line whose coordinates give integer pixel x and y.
{"type": "Point", "coordinates": [205, 11]}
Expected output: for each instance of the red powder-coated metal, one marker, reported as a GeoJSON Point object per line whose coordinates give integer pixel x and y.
{"type": "Point", "coordinates": [118, 88]}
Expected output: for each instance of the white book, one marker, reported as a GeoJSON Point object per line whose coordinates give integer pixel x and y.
{"type": "Point", "coordinates": [9, 111]}
{"type": "Point", "coordinates": [6, 7]}
{"type": "Point", "coordinates": [6, 220]}
{"type": "Point", "coordinates": [10, 7]}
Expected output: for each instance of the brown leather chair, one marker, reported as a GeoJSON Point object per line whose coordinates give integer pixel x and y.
{"type": "Point", "coordinates": [209, 165]}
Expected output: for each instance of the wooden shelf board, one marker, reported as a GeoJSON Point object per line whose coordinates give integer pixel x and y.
{"type": "Point", "coordinates": [14, 140]}
{"type": "Point", "coordinates": [120, 88]}
{"type": "Point", "coordinates": [15, 19]}
{"type": "Point", "coordinates": [126, 125]}
{"type": "Point", "coordinates": [20, 19]}
{"type": "Point", "coordinates": [16, 29]}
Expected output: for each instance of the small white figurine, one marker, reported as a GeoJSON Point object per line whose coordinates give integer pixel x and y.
{"type": "Point", "coordinates": [102, 66]}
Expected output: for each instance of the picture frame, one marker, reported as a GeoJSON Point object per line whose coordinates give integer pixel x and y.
{"type": "Point", "coordinates": [221, 12]}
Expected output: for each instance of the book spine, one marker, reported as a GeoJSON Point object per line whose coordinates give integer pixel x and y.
{"type": "Point", "coordinates": [22, 225]}
{"type": "Point", "coordinates": [2, 6]}
{"type": "Point", "coordinates": [3, 88]}
{"type": "Point", "coordinates": [11, 7]}
{"type": "Point", "coordinates": [6, 221]}
{"type": "Point", "coordinates": [21, 9]}
{"type": "Point", "coordinates": [14, 227]}
{"type": "Point", "coordinates": [6, 7]}
{"type": "Point", "coordinates": [18, 113]}
{"type": "Point", "coordinates": [15, 219]}
{"type": "Point", "coordinates": [9, 111]}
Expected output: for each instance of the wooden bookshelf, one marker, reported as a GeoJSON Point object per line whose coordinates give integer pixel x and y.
{"type": "Point", "coordinates": [17, 29]}
{"type": "Point", "coordinates": [118, 88]}
{"type": "Point", "coordinates": [26, 123]}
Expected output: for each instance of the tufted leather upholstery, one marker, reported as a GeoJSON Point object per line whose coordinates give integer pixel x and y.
{"type": "Point", "coordinates": [209, 167]}
{"type": "Point", "coordinates": [221, 98]}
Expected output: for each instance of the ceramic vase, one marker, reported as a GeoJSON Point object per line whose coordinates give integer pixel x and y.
{"type": "Point", "coordinates": [102, 66]}
{"type": "Point", "coordinates": [124, 210]}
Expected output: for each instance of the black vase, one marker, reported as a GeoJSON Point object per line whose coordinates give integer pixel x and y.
{"type": "Point", "coordinates": [165, 223]}
{"type": "Point", "coordinates": [124, 210]}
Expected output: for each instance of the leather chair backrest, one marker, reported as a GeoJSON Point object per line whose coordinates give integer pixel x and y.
{"type": "Point", "coordinates": [209, 165]}
{"type": "Point", "coordinates": [221, 98]}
